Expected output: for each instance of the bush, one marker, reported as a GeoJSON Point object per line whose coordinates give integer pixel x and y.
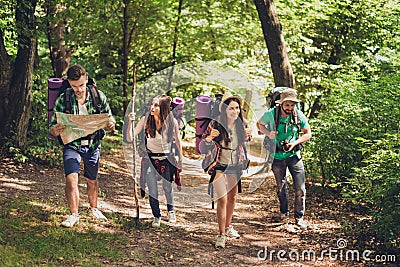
{"type": "Point", "coordinates": [378, 183]}
{"type": "Point", "coordinates": [351, 112]}
{"type": "Point", "coordinates": [355, 146]}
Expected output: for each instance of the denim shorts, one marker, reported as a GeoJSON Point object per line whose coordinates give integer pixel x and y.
{"type": "Point", "coordinates": [72, 161]}
{"type": "Point", "coordinates": [227, 169]}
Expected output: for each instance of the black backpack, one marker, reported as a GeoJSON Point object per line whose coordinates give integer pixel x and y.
{"type": "Point", "coordinates": [93, 91]}
{"type": "Point", "coordinates": [215, 106]}
{"type": "Point", "coordinates": [271, 98]}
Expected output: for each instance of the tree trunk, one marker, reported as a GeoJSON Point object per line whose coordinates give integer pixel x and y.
{"type": "Point", "coordinates": [272, 30]}
{"type": "Point", "coordinates": [18, 98]}
{"type": "Point", "coordinates": [60, 54]}
{"type": "Point", "coordinates": [129, 27]}
{"type": "Point", "coordinates": [125, 52]}
{"type": "Point", "coordinates": [6, 69]}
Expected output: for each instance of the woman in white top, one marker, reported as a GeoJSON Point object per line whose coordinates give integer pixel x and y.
{"type": "Point", "coordinates": [161, 133]}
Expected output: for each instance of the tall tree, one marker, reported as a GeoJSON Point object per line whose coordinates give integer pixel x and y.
{"type": "Point", "coordinates": [16, 95]}
{"type": "Point", "coordinates": [127, 37]}
{"type": "Point", "coordinates": [272, 31]}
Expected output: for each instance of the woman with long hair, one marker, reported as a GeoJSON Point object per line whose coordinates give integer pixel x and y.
{"type": "Point", "coordinates": [161, 135]}
{"type": "Point", "coordinates": [226, 136]}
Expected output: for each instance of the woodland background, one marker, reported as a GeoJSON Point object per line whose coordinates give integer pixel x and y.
{"type": "Point", "coordinates": [342, 56]}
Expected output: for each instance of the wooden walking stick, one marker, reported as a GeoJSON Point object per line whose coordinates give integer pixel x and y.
{"type": "Point", "coordinates": [134, 145]}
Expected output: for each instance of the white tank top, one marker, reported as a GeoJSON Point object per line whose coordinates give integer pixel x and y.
{"type": "Point", "coordinates": [159, 144]}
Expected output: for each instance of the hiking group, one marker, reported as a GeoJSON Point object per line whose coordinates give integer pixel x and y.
{"type": "Point", "coordinates": [222, 140]}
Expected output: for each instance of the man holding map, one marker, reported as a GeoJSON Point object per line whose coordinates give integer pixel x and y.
{"type": "Point", "coordinates": [81, 132]}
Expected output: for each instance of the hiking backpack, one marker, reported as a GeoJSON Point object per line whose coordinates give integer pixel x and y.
{"type": "Point", "coordinates": [271, 98]}
{"type": "Point", "coordinates": [57, 86]}
{"type": "Point", "coordinates": [177, 107]}
{"type": "Point", "coordinates": [207, 109]}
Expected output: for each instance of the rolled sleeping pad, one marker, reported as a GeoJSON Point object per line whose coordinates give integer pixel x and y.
{"type": "Point", "coordinates": [53, 91]}
{"type": "Point", "coordinates": [203, 117]}
{"type": "Point", "coordinates": [178, 105]}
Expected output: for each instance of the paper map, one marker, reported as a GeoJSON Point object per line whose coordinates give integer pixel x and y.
{"type": "Point", "coordinates": [78, 126]}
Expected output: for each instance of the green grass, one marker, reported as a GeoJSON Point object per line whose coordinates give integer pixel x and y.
{"type": "Point", "coordinates": [30, 235]}
{"type": "Point", "coordinates": [111, 141]}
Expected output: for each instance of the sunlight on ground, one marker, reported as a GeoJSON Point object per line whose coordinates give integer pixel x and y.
{"type": "Point", "coordinates": [16, 183]}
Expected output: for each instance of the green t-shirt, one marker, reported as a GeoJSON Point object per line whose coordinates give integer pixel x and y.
{"type": "Point", "coordinates": [291, 133]}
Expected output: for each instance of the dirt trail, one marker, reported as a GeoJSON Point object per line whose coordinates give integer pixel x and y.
{"type": "Point", "coordinates": [190, 241]}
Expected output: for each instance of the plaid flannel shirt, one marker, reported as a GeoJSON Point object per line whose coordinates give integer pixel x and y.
{"type": "Point", "coordinates": [241, 156]}
{"type": "Point", "coordinates": [61, 107]}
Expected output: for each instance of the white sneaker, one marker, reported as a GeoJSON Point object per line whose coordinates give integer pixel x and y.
{"type": "Point", "coordinates": [156, 222]}
{"type": "Point", "coordinates": [230, 232]}
{"type": "Point", "coordinates": [71, 220]}
{"type": "Point", "coordinates": [98, 214]}
{"type": "Point", "coordinates": [220, 243]}
{"type": "Point", "coordinates": [301, 223]}
{"type": "Point", "coordinates": [171, 216]}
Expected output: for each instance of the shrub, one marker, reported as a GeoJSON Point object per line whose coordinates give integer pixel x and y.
{"type": "Point", "coordinates": [355, 146]}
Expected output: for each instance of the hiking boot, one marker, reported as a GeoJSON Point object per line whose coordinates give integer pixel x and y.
{"type": "Point", "coordinates": [171, 216]}
{"type": "Point", "coordinates": [71, 220]}
{"type": "Point", "coordinates": [231, 232]}
{"type": "Point", "coordinates": [284, 217]}
{"type": "Point", "coordinates": [281, 217]}
{"type": "Point", "coordinates": [220, 243]}
{"type": "Point", "coordinates": [301, 223]}
{"type": "Point", "coordinates": [156, 222]}
{"type": "Point", "coordinates": [98, 214]}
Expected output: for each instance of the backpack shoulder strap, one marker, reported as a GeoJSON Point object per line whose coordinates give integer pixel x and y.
{"type": "Point", "coordinates": [68, 102]}
{"type": "Point", "coordinates": [95, 96]}
{"type": "Point", "coordinates": [296, 119]}
{"type": "Point", "coordinates": [277, 114]}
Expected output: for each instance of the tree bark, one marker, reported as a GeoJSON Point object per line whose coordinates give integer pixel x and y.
{"type": "Point", "coordinates": [60, 54]}
{"type": "Point", "coordinates": [6, 69]}
{"type": "Point", "coordinates": [272, 31]}
{"type": "Point", "coordinates": [125, 52]}
{"type": "Point", "coordinates": [18, 98]}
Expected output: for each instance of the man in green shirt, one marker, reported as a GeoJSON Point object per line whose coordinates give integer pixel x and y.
{"type": "Point", "coordinates": [86, 148]}
{"type": "Point", "coordinates": [286, 141]}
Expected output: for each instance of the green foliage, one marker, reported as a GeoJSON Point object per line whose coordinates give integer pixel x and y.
{"type": "Point", "coordinates": [41, 148]}
{"type": "Point", "coordinates": [355, 146]}
{"type": "Point", "coordinates": [377, 182]}
{"type": "Point", "coordinates": [327, 37]}
{"type": "Point", "coordinates": [112, 88]}
{"type": "Point", "coordinates": [7, 26]}
{"type": "Point", "coordinates": [354, 110]}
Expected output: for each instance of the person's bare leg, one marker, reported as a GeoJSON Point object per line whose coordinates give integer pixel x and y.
{"type": "Point", "coordinates": [72, 192]}
{"type": "Point", "coordinates": [231, 203]}
{"type": "Point", "coordinates": [92, 192]}
{"type": "Point", "coordinates": [220, 194]}
{"type": "Point", "coordinates": [221, 214]}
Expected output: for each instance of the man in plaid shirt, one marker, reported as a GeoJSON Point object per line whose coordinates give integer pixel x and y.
{"type": "Point", "coordinates": [86, 148]}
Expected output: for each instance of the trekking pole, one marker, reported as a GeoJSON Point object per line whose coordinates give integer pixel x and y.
{"type": "Point", "coordinates": [134, 145]}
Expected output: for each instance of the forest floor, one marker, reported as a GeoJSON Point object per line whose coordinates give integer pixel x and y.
{"type": "Point", "coordinates": [190, 241]}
